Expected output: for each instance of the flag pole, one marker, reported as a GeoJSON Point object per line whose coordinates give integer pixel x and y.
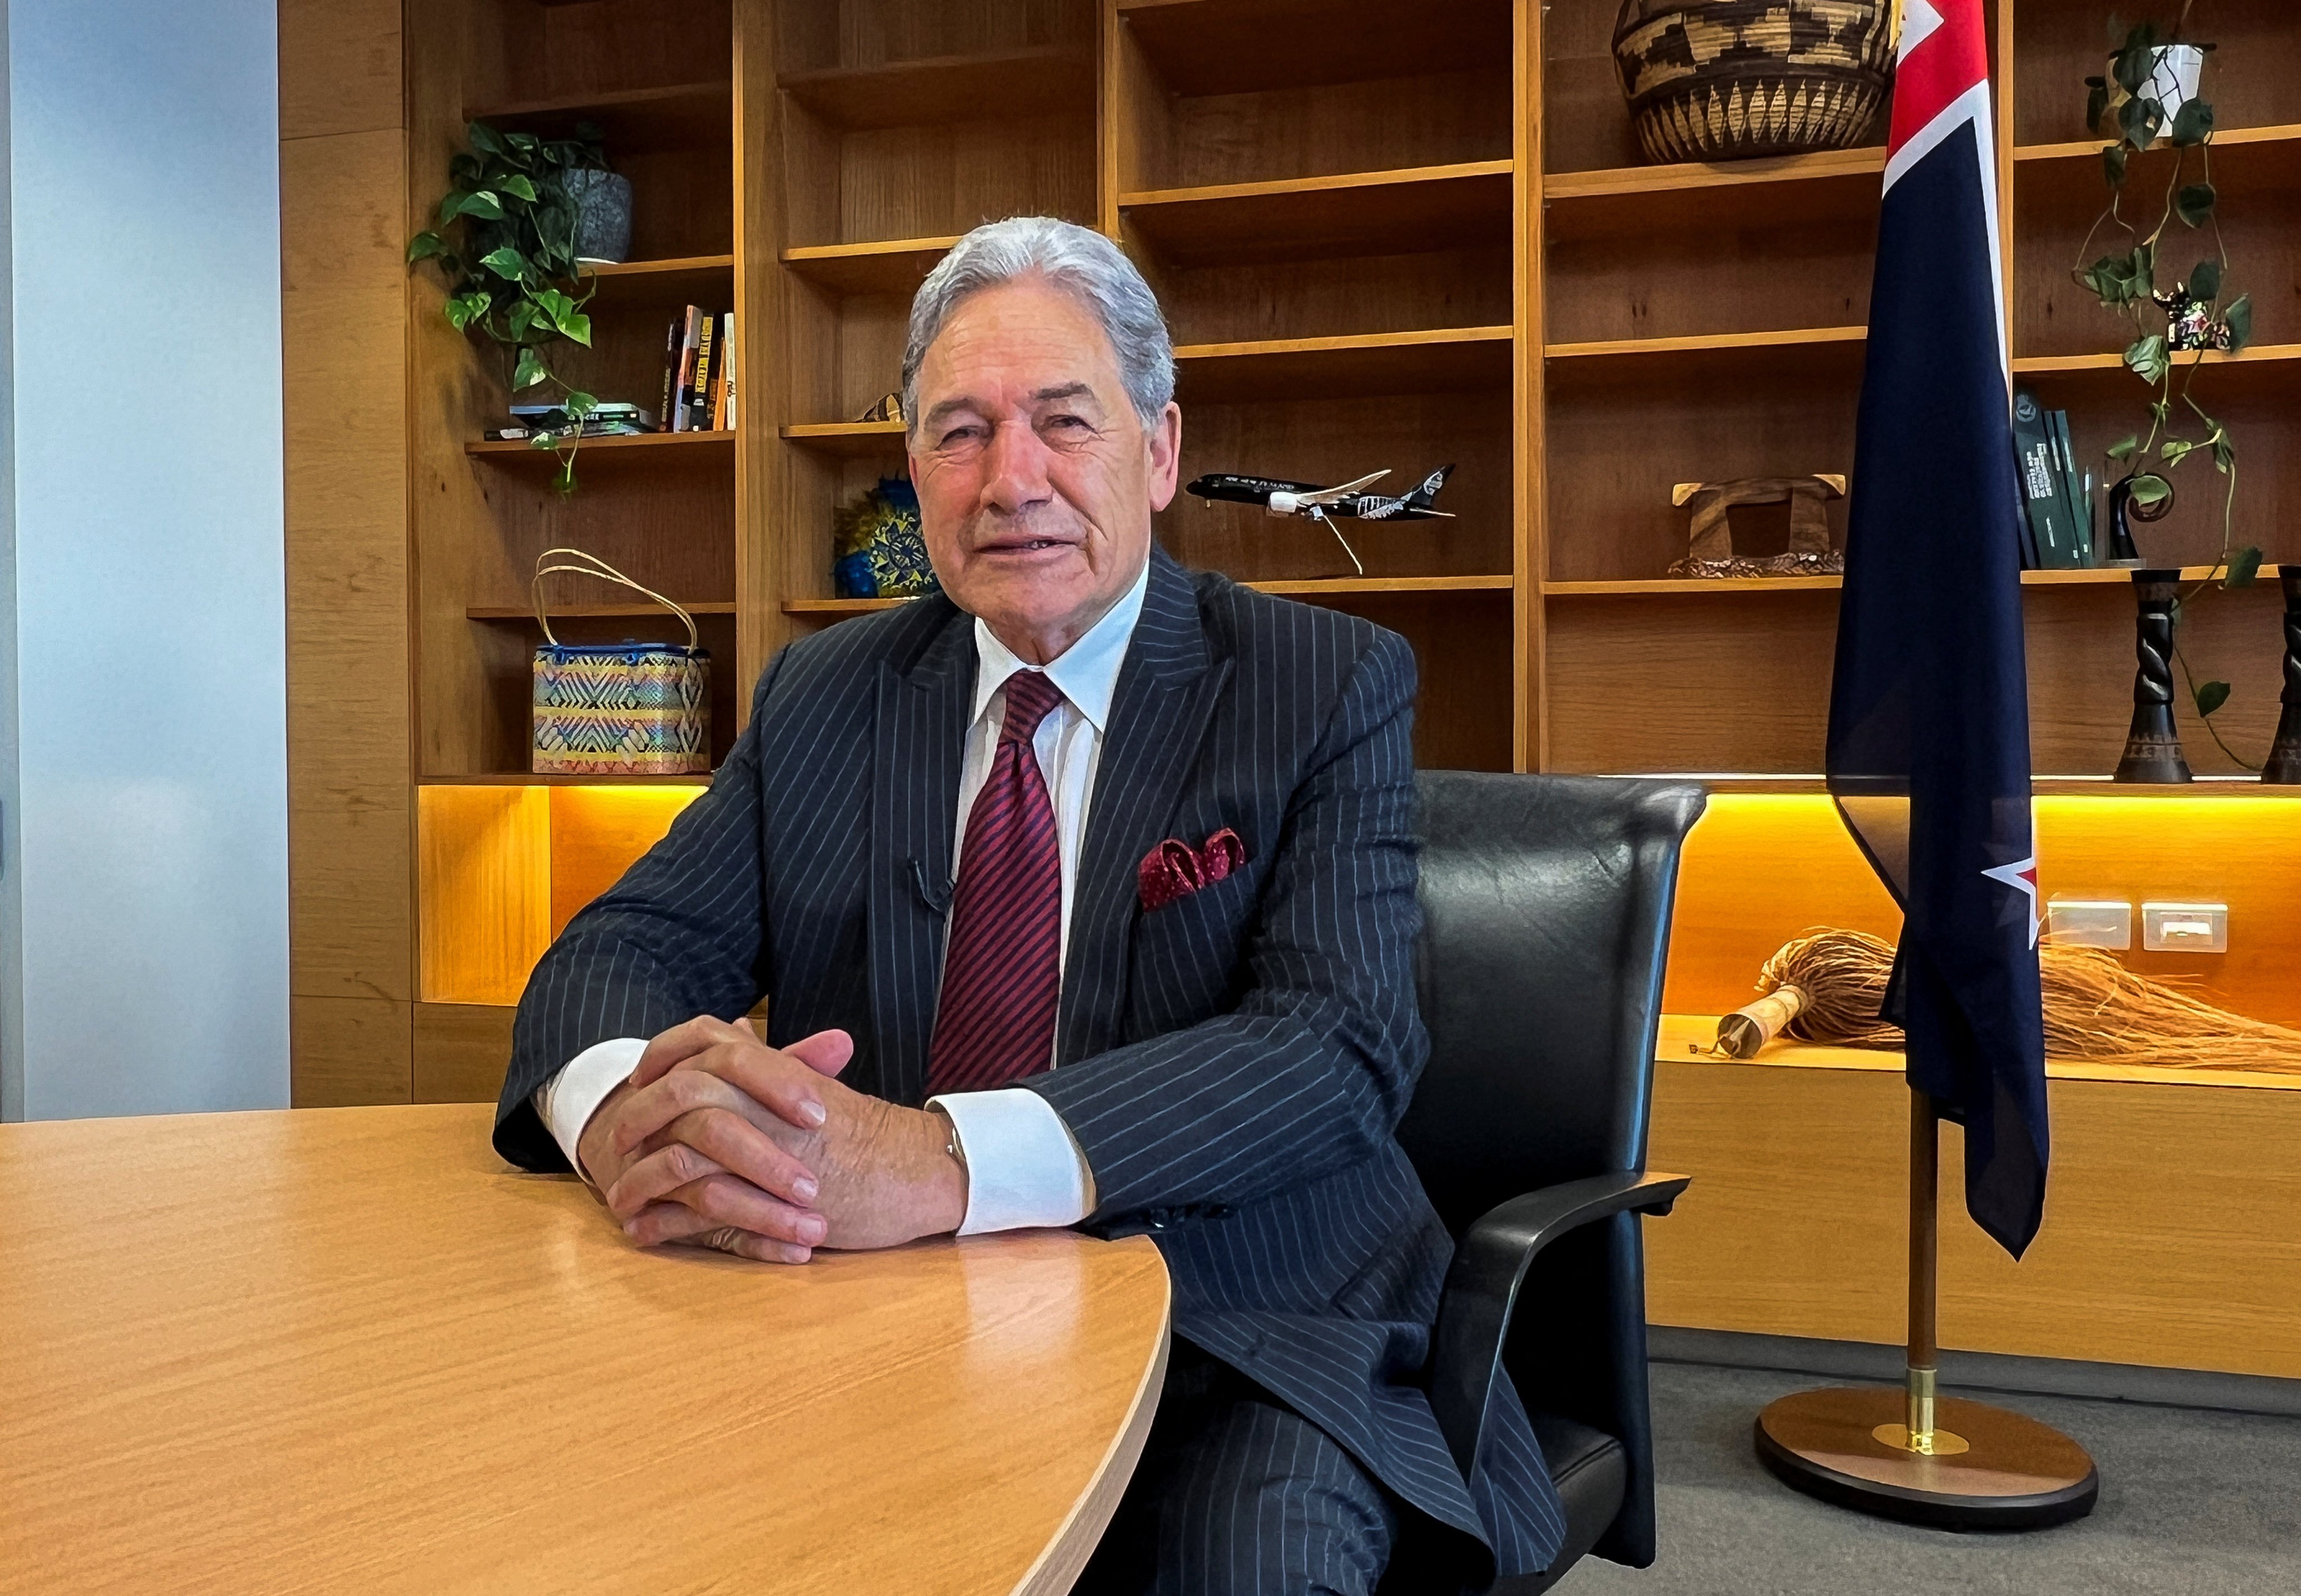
{"type": "Point", "coordinates": [1913, 1454]}
{"type": "Point", "coordinates": [1919, 1434]}
{"type": "Point", "coordinates": [1925, 1231]}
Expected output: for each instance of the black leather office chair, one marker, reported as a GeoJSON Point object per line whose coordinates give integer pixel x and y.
{"type": "Point", "coordinates": [1546, 902]}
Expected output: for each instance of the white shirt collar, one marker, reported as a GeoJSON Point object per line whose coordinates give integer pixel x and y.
{"type": "Point", "coordinates": [1087, 672]}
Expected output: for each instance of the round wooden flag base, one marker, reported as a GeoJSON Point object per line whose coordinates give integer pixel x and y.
{"type": "Point", "coordinates": [1987, 1469]}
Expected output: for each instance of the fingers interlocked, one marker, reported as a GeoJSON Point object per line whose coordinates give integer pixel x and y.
{"type": "Point", "coordinates": [713, 1163]}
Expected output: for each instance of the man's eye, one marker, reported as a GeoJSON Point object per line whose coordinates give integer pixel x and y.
{"type": "Point", "coordinates": [959, 436]}
{"type": "Point", "coordinates": [1068, 422]}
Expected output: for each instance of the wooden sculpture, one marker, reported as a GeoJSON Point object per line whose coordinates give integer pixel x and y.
{"type": "Point", "coordinates": [1710, 539]}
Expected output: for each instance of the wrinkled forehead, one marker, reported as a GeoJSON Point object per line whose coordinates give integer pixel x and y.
{"type": "Point", "coordinates": [1018, 343]}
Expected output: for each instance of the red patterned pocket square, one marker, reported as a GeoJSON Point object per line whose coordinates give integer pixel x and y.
{"type": "Point", "coordinates": [1175, 869]}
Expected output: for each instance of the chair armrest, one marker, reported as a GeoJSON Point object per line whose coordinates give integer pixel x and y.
{"type": "Point", "coordinates": [1490, 1265]}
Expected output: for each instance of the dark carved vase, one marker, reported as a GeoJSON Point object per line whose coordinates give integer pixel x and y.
{"type": "Point", "coordinates": [2284, 766]}
{"type": "Point", "coordinates": [2153, 747]}
{"type": "Point", "coordinates": [2122, 513]}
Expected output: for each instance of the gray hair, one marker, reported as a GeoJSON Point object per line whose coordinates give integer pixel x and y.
{"type": "Point", "coordinates": [1078, 260]}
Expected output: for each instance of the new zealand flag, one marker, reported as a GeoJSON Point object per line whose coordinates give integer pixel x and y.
{"type": "Point", "coordinates": [1928, 715]}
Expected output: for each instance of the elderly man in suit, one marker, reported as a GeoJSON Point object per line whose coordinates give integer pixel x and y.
{"type": "Point", "coordinates": [1081, 894]}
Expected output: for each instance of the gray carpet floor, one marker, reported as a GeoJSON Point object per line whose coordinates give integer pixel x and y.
{"type": "Point", "coordinates": [2193, 1503]}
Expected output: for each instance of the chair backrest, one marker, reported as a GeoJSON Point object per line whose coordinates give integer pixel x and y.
{"type": "Point", "coordinates": [1546, 904]}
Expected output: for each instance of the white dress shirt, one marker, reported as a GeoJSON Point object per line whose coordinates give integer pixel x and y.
{"type": "Point", "coordinates": [1023, 1167]}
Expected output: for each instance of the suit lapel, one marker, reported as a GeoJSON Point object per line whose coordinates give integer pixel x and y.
{"type": "Point", "coordinates": [1167, 688]}
{"type": "Point", "coordinates": [917, 741]}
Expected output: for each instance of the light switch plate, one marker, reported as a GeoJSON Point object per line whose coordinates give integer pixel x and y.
{"type": "Point", "coordinates": [2090, 922]}
{"type": "Point", "coordinates": [2185, 927]}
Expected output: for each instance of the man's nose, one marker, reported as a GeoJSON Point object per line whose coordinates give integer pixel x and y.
{"type": "Point", "coordinates": [1016, 478]}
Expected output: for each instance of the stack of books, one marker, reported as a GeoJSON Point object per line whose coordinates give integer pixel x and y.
{"type": "Point", "coordinates": [607, 420]}
{"type": "Point", "coordinates": [698, 372]}
{"type": "Point", "coordinates": [2057, 530]}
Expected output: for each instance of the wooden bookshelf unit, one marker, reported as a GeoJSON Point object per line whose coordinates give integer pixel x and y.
{"type": "Point", "coordinates": [1386, 236]}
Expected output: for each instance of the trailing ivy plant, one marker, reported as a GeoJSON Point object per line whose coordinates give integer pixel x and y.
{"type": "Point", "coordinates": [2197, 311]}
{"type": "Point", "coordinates": [507, 241]}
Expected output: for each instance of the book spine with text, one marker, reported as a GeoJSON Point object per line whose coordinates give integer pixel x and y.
{"type": "Point", "coordinates": [682, 395]}
{"type": "Point", "coordinates": [699, 419]}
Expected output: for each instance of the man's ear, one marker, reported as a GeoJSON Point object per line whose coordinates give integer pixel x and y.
{"type": "Point", "coordinates": [1165, 442]}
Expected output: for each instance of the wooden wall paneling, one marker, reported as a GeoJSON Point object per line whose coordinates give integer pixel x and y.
{"type": "Point", "coordinates": [764, 320]}
{"type": "Point", "coordinates": [347, 533]}
{"type": "Point", "coordinates": [520, 53]}
{"type": "Point", "coordinates": [876, 33]}
{"type": "Point", "coordinates": [461, 1050]}
{"type": "Point", "coordinates": [484, 887]}
{"type": "Point", "coordinates": [811, 176]}
{"type": "Point", "coordinates": [1762, 271]}
{"type": "Point", "coordinates": [1724, 681]}
{"type": "Point", "coordinates": [350, 1051]}
{"type": "Point", "coordinates": [1338, 294]}
{"type": "Point", "coordinates": [342, 198]}
{"type": "Point", "coordinates": [1530, 321]}
{"type": "Point", "coordinates": [921, 182]}
{"type": "Point", "coordinates": [339, 68]}
{"type": "Point", "coordinates": [1305, 132]}
{"type": "Point", "coordinates": [2177, 1249]}
{"type": "Point", "coordinates": [452, 551]}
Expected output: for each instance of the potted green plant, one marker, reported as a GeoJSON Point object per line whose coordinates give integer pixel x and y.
{"type": "Point", "coordinates": [2148, 92]}
{"type": "Point", "coordinates": [506, 241]}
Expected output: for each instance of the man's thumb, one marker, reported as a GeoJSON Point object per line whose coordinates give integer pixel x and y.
{"type": "Point", "coordinates": [827, 1052]}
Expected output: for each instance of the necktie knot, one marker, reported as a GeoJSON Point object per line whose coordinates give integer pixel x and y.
{"type": "Point", "coordinates": [1030, 696]}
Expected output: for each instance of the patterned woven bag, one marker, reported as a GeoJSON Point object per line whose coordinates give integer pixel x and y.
{"type": "Point", "coordinates": [618, 709]}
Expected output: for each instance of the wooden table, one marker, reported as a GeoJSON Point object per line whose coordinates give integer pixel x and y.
{"type": "Point", "coordinates": [346, 1349]}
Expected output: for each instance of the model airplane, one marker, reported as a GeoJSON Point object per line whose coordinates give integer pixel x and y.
{"type": "Point", "coordinates": [1323, 504]}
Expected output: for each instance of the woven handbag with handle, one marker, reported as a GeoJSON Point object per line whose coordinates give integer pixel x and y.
{"type": "Point", "coordinates": [618, 709]}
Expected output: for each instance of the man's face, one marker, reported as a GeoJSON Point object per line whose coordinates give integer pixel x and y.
{"type": "Point", "coordinates": [1036, 479]}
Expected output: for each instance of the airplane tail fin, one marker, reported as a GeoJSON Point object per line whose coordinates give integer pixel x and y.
{"type": "Point", "coordinates": [1422, 496]}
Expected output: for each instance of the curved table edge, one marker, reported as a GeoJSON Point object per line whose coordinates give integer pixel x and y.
{"type": "Point", "coordinates": [1065, 1559]}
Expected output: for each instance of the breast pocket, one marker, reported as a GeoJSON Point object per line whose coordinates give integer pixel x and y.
{"type": "Point", "coordinates": [1190, 954]}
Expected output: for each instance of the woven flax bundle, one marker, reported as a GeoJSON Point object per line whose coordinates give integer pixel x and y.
{"type": "Point", "coordinates": [1827, 987]}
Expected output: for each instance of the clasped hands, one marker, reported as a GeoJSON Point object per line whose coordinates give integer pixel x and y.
{"type": "Point", "coordinates": [719, 1141]}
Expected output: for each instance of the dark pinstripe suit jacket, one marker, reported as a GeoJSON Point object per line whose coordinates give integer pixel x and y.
{"type": "Point", "coordinates": [1234, 1063]}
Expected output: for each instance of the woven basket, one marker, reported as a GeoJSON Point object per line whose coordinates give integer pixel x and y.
{"type": "Point", "coordinates": [1724, 80]}
{"type": "Point", "coordinates": [618, 709]}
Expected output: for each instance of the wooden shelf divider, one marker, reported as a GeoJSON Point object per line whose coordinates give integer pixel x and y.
{"type": "Point", "coordinates": [1399, 212]}
{"type": "Point", "coordinates": [595, 612]}
{"type": "Point", "coordinates": [1343, 586]}
{"type": "Point", "coordinates": [1447, 360]}
{"type": "Point", "coordinates": [1728, 586]}
{"type": "Point", "coordinates": [699, 443]}
{"type": "Point", "coordinates": [848, 441]}
{"type": "Point", "coordinates": [893, 266]}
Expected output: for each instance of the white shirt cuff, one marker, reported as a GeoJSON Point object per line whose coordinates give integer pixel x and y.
{"type": "Point", "coordinates": [1023, 1167]}
{"type": "Point", "coordinates": [569, 1099]}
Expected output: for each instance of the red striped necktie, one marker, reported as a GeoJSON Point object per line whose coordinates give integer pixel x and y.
{"type": "Point", "coordinates": [995, 1023]}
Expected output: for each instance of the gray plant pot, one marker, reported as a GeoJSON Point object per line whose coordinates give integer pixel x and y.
{"type": "Point", "coordinates": [603, 216]}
